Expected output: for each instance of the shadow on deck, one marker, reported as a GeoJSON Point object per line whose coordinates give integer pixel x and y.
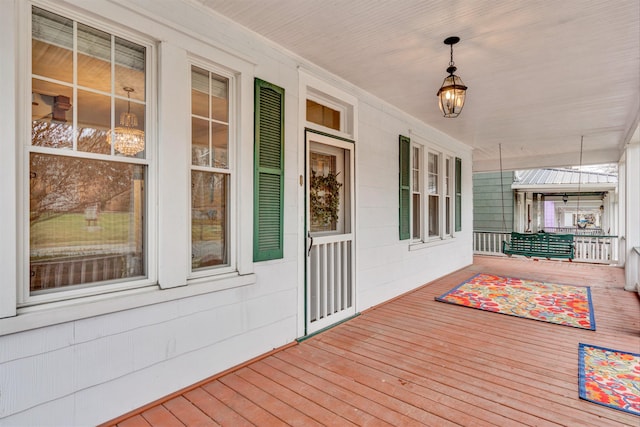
{"type": "Point", "coordinates": [415, 361]}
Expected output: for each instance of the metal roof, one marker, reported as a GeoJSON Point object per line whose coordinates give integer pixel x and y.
{"type": "Point", "coordinates": [545, 177]}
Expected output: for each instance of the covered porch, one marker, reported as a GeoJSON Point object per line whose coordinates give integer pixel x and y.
{"type": "Point", "coordinates": [415, 361]}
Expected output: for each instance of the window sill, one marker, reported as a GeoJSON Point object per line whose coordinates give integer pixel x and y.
{"type": "Point", "coordinates": [82, 308]}
{"type": "Point", "coordinates": [416, 246]}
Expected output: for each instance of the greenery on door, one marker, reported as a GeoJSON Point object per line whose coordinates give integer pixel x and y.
{"type": "Point", "coordinates": [324, 194]}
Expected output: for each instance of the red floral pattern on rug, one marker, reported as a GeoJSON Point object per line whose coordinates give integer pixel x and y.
{"type": "Point", "coordinates": [548, 302]}
{"type": "Point", "coordinates": [610, 378]}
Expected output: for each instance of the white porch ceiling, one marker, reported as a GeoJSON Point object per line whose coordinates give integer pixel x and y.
{"type": "Point", "coordinates": [540, 73]}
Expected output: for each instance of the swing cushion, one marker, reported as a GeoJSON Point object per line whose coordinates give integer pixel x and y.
{"type": "Point", "coordinates": [541, 245]}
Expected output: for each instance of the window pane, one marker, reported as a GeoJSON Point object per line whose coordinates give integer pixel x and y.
{"type": "Point", "coordinates": [416, 158]}
{"type": "Point", "coordinates": [129, 128]}
{"type": "Point", "coordinates": [130, 69]}
{"type": "Point", "coordinates": [416, 169]}
{"type": "Point", "coordinates": [434, 225]}
{"type": "Point", "coordinates": [219, 98]}
{"type": "Point", "coordinates": [447, 174]}
{"type": "Point", "coordinates": [433, 163]}
{"type": "Point", "coordinates": [86, 222]}
{"type": "Point", "coordinates": [199, 92]}
{"type": "Point", "coordinates": [94, 58]}
{"type": "Point", "coordinates": [220, 140]}
{"type": "Point", "coordinates": [94, 122]}
{"type": "Point", "coordinates": [325, 192]}
{"type": "Point", "coordinates": [447, 219]}
{"type": "Point", "coordinates": [199, 142]}
{"type": "Point", "coordinates": [416, 216]}
{"type": "Point", "coordinates": [323, 115]}
{"type": "Point", "coordinates": [52, 115]}
{"type": "Point", "coordinates": [433, 183]}
{"type": "Point", "coordinates": [209, 219]}
{"type": "Point", "coordinates": [433, 174]}
{"type": "Point", "coordinates": [52, 45]}
{"type": "Point", "coordinates": [314, 112]}
{"type": "Point", "coordinates": [209, 101]}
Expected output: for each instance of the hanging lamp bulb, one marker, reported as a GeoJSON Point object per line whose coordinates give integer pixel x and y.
{"type": "Point", "coordinates": [452, 94]}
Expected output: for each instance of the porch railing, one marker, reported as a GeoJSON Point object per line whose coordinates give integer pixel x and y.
{"type": "Point", "coordinates": [489, 242]}
{"type": "Point", "coordinates": [595, 249]}
{"type": "Point", "coordinates": [79, 270]}
{"type": "Point", "coordinates": [576, 231]}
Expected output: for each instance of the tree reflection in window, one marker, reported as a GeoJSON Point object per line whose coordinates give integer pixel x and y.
{"type": "Point", "coordinates": [86, 220]}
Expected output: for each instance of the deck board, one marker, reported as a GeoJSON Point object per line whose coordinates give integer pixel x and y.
{"type": "Point", "coordinates": [215, 409]}
{"type": "Point", "coordinates": [416, 361]}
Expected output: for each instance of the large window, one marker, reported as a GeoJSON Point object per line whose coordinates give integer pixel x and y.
{"type": "Point", "coordinates": [87, 162]}
{"type": "Point", "coordinates": [427, 183]}
{"type": "Point", "coordinates": [210, 171]}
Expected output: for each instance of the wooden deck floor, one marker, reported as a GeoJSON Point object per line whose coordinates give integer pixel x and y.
{"type": "Point", "coordinates": [415, 361]}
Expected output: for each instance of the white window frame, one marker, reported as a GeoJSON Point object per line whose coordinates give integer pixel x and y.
{"type": "Point", "coordinates": [424, 149]}
{"type": "Point", "coordinates": [24, 298]}
{"type": "Point", "coordinates": [346, 114]}
{"type": "Point", "coordinates": [231, 170]}
{"type": "Point", "coordinates": [167, 211]}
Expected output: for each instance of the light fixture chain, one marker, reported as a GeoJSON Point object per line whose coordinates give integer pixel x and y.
{"type": "Point", "coordinates": [451, 63]}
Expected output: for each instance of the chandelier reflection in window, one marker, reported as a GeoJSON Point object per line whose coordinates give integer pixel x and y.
{"type": "Point", "coordinates": [127, 138]}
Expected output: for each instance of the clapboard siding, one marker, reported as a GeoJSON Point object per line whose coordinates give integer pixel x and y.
{"type": "Point", "coordinates": [488, 197]}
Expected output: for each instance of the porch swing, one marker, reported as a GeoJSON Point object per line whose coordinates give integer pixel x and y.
{"type": "Point", "coordinates": [539, 245]}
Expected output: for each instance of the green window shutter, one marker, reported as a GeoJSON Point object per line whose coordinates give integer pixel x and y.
{"type": "Point", "coordinates": [405, 189]}
{"type": "Point", "coordinates": [458, 194]}
{"type": "Point", "coordinates": [269, 171]}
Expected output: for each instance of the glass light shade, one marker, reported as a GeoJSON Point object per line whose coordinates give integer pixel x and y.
{"type": "Point", "coordinates": [451, 96]}
{"type": "Point", "coordinates": [126, 138]}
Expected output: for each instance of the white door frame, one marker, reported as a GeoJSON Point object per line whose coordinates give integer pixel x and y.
{"type": "Point", "coordinates": [330, 257]}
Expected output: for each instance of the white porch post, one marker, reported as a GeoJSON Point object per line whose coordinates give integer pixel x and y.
{"type": "Point", "coordinates": [520, 212]}
{"type": "Point", "coordinates": [632, 213]}
{"type": "Point", "coordinates": [539, 225]}
{"type": "Point", "coordinates": [611, 219]}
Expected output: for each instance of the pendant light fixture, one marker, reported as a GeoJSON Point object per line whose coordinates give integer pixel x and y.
{"type": "Point", "coordinates": [452, 94]}
{"type": "Point", "coordinates": [127, 138]}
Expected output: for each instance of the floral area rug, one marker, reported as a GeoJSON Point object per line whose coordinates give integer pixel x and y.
{"type": "Point", "coordinates": [610, 378]}
{"type": "Point", "coordinates": [548, 302]}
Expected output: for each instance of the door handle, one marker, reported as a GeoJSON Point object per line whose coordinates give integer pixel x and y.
{"type": "Point", "coordinates": [310, 244]}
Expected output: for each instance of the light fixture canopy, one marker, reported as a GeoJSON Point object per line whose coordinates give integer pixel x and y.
{"type": "Point", "coordinates": [127, 138]}
{"type": "Point", "coordinates": [565, 198]}
{"type": "Point", "coordinates": [452, 94]}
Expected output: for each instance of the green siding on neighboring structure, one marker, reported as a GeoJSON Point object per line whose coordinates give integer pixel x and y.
{"type": "Point", "coordinates": [488, 201]}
